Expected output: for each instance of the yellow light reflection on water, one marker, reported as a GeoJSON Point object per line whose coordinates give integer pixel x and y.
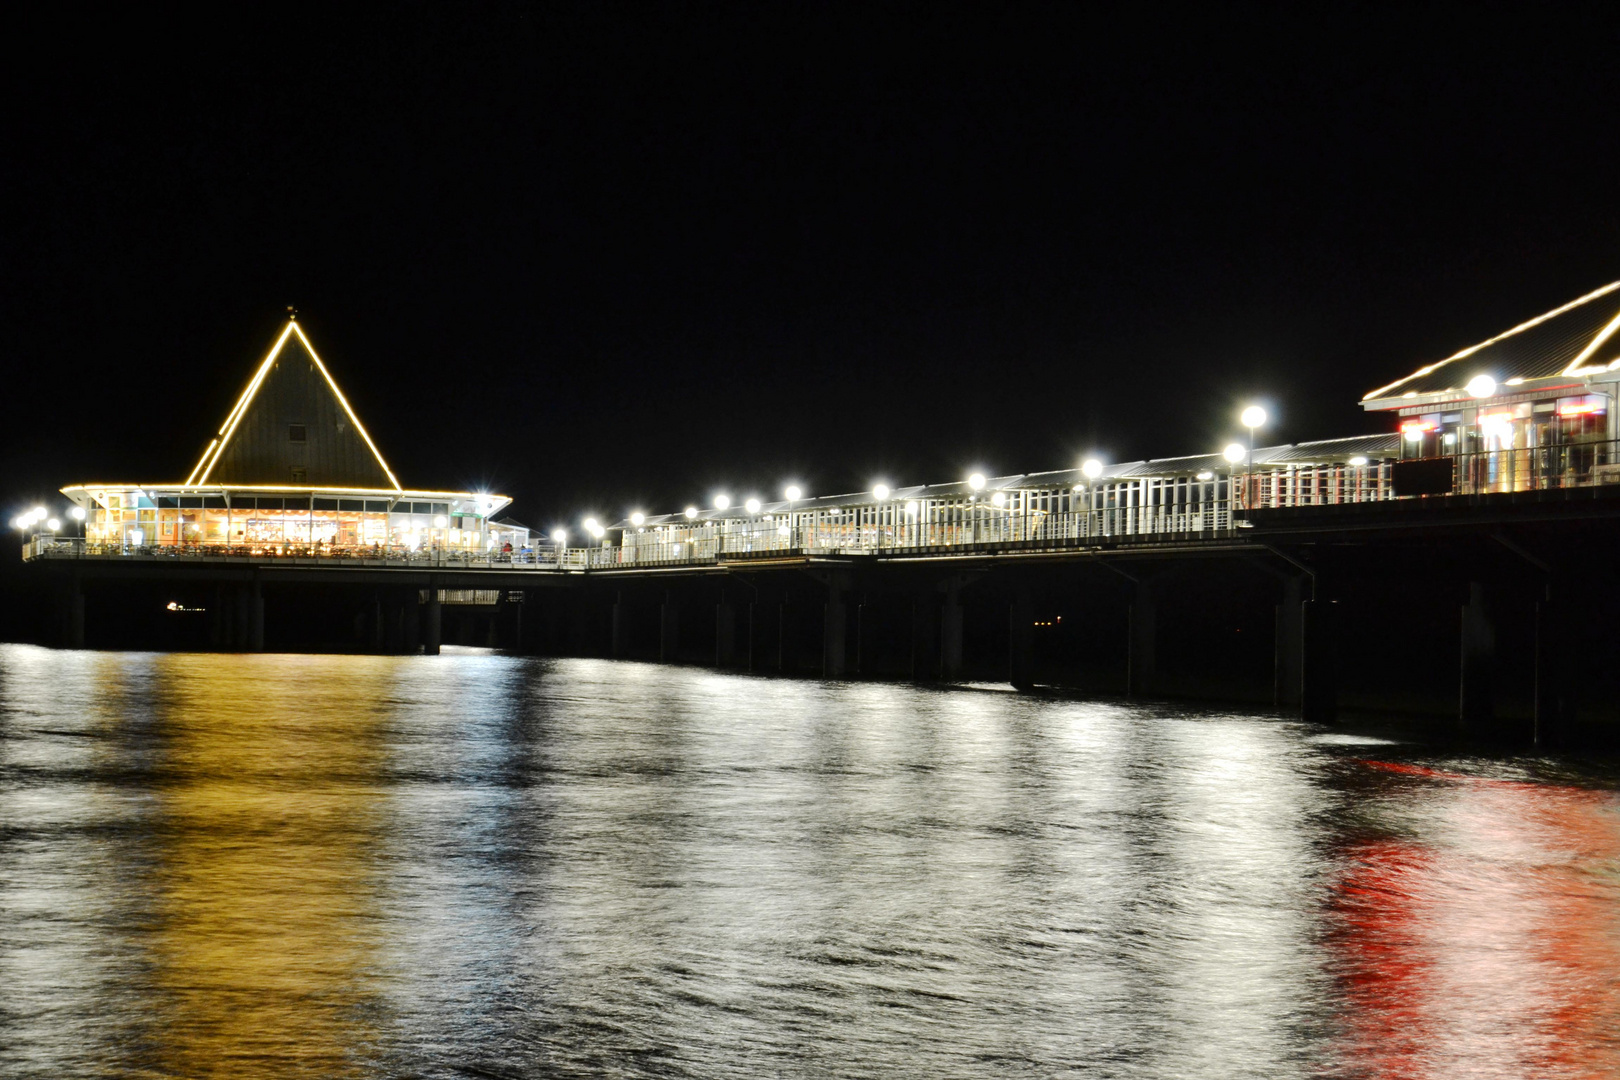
{"type": "Point", "coordinates": [263, 894]}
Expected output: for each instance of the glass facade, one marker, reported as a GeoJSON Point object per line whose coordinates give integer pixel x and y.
{"type": "Point", "coordinates": [1516, 443]}
{"type": "Point", "coordinates": [260, 522]}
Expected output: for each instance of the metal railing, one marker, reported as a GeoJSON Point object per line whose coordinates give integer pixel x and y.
{"type": "Point", "coordinates": [1316, 485]}
{"type": "Point", "coordinates": [547, 557]}
{"type": "Point", "coordinates": [1537, 468]}
{"type": "Point", "coordinates": [1186, 511]}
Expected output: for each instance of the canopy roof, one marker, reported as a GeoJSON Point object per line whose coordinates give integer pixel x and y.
{"type": "Point", "coordinates": [1578, 339]}
{"type": "Point", "coordinates": [292, 425]}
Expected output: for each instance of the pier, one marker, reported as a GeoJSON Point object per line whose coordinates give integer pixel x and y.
{"type": "Point", "coordinates": [1473, 541]}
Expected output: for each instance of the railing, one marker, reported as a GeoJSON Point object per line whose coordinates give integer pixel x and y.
{"type": "Point", "coordinates": [548, 557]}
{"type": "Point", "coordinates": [993, 532]}
{"type": "Point", "coordinates": [1186, 511]}
{"type": "Point", "coordinates": [1537, 468]}
{"type": "Point", "coordinates": [1317, 485]}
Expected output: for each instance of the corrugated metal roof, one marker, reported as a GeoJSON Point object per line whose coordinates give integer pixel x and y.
{"type": "Point", "coordinates": [1543, 347]}
{"type": "Point", "coordinates": [292, 426]}
{"type": "Point", "coordinates": [295, 431]}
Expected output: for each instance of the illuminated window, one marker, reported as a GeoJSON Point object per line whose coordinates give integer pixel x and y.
{"type": "Point", "coordinates": [300, 476]}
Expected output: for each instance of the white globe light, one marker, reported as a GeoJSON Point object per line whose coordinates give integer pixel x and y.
{"type": "Point", "coordinates": [53, 524]}
{"type": "Point", "coordinates": [1414, 435]}
{"type": "Point", "coordinates": [597, 530]}
{"type": "Point", "coordinates": [1254, 416]}
{"type": "Point", "coordinates": [793, 493]}
{"type": "Point", "coordinates": [880, 492]}
{"type": "Point", "coordinates": [1206, 475]}
{"type": "Point", "coordinates": [440, 522]}
{"type": "Point", "coordinates": [784, 531]}
{"type": "Point", "coordinates": [691, 512]}
{"type": "Point", "coordinates": [976, 481]}
{"type": "Point", "coordinates": [911, 507]}
{"type": "Point", "coordinates": [637, 518]}
{"type": "Point", "coordinates": [559, 535]}
{"type": "Point", "coordinates": [1092, 468]}
{"type": "Point", "coordinates": [1235, 452]}
{"type": "Point", "coordinates": [39, 512]}
{"type": "Point", "coordinates": [590, 524]}
{"type": "Point", "coordinates": [77, 513]}
{"type": "Point", "coordinates": [999, 498]}
{"type": "Point", "coordinates": [752, 506]}
{"type": "Point", "coordinates": [722, 501]}
{"type": "Point", "coordinates": [1358, 461]}
{"type": "Point", "coordinates": [1481, 386]}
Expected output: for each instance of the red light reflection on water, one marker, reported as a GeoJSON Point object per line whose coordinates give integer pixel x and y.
{"type": "Point", "coordinates": [1484, 939]}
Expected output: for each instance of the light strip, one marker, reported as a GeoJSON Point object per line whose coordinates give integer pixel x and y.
{"type": "Point", "coordinates": [1596, 344]}
{"type": "Point", "coordinates": [390, 492]}
{"type": "Point", "coordinates": [193, 474]}
{"type": "Point", "coordinates": [361, 428]}
{"type": "Point", "coordinates": [1420, 372]}
{"type": "Point", "coordinates": [229, 427]}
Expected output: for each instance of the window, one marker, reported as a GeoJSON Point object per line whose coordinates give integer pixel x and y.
{"type": "Point", "coordinates": [300, 476]}
{"type": "Point", "coordinates": [296, 433]}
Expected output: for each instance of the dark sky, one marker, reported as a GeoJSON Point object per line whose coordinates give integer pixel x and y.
{"type": "Point", "coordinates": [609, 255]}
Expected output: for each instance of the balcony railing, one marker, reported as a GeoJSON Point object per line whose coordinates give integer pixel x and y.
{"type": "Point", "coordinates": [1147, 513]}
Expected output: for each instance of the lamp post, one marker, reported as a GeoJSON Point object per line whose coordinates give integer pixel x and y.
{"type": "Point", "coordinates": [1234, 453]}
{"type": "Point", "coordinates": [793, 493]}
{"type": "Point", "coordinates": [1253, 417]}
{"type": "Point", "coordinates": [880, 492]}
{"type": "Point", "coordinates": [975, 484]}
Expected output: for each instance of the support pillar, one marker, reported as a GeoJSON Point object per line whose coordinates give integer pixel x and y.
{"type": "Point", "coordinates": [1289, 645]}
{"type": "Point", "coordinates": [1021, 639]}
{"type": "Point", "coordinates": [255, 621]}
{"type": "Point", "coordinates": [725, 633]}
{"type": "Point", "coordinates": [432, 622]}
{"type": "Point", "coordinates": [1476, 697]}
{"type": "Point", "coordinates": [376, 625]}
{"type": "Point", "coordinates": [926, 663]}
{"type": "Point", "coordinates": [216, 619]}
{"type": "Point", "coordinates": [411, 610]}
{"type": "Point", "coordinates": [619, 645]}
{"type": "Point", "coordinates": [669, 630]}
{"type": "Point", "coordinates": [1319, 683]}
{"type": "Point", "coordinates": [950, 635]}
{"type": "Point", "coordinates": [783, 649]}
{"type": "Point", "coordinates": [1142, 660]}
{"type": "Point", "coordinates": [72, 614]}
{"type": "Point", "coordinates": [835, 618]}
{"type": "Point", "coordinates": [241, 617]}
{"type": "Point", "coordinates": [1554, 709]}
{"type": "Point", "coordinates": [860, 636]}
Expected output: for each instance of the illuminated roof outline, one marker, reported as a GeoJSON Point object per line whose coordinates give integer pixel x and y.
{"type": "Point", "coordinates": [333, 440]}
{"type": "Point", "coordinates": [1561, 342]}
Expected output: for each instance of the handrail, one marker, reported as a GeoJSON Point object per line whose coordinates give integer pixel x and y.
{"type": "Point", "coordinates": [1147, 513]}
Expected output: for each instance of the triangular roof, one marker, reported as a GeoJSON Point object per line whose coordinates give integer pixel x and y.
{"type": "Point", "coordinates": [1572, 340]}
{"type": "Point", "coordinates": [292, 425]}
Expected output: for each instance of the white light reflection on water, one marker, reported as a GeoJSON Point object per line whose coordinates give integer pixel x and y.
{"type": "Point", "coordinates": [480, 865]}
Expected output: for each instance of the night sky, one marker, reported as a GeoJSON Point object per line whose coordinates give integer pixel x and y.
{"type": "Point", "coordinates": [609, 256]}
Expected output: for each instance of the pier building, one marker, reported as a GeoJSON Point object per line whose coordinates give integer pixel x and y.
{"type": "Point", "coordinates": [1531, 408]}
{"type": "Point", "coordinates": [290, 472]}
